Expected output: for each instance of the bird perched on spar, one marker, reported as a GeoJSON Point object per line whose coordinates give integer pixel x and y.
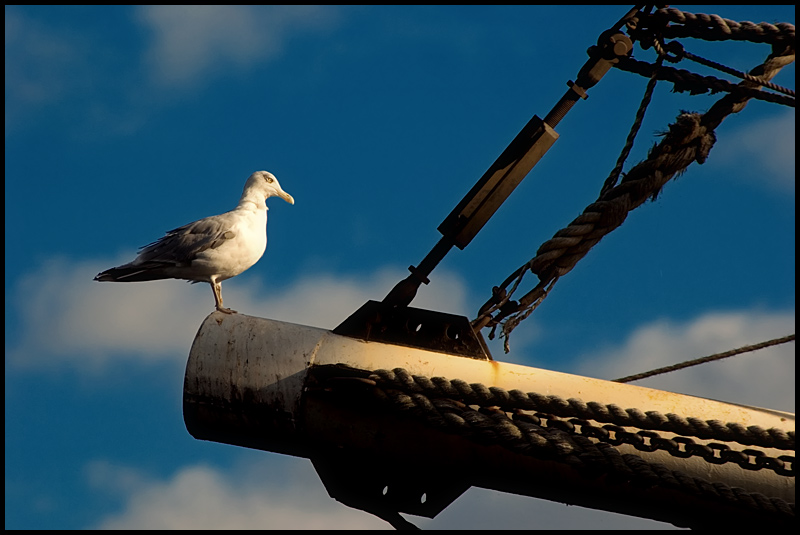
{"type": "Point", "coordinates": [212, 249]}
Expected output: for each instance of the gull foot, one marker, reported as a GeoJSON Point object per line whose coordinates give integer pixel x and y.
{"type": "Point", "coordinates": [226, 310]}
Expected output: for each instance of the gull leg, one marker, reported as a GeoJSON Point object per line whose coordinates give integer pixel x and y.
{"type": "Point", "coordinates": [217, 288]}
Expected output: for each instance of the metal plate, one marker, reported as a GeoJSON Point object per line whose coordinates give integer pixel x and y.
{"type": "Point", "coordinates": [415, 327]}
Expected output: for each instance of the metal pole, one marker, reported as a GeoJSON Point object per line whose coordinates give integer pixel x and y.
{"type": "Point", "coordinates": [259, 383]}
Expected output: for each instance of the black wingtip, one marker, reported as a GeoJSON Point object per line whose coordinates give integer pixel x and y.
{"type": "Point", "coordinates": [115, 274]}
{"type": "Point", "coordinates": [134, 273]}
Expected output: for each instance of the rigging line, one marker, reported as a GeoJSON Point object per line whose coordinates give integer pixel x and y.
{"type": "Point", "coordinates": [703, 360]}
{"type": "Point", "coordinates": [696, 84]}
{"type": "Point", "coordinates": [674, 47]}
{"type": "Point", "coordinates": [611, 181]}
{"type": "Point", "coordinates": [739, 74]}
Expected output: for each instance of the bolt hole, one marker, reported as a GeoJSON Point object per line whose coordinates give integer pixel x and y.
{"type": "Point", "coordinates": [453, 332]}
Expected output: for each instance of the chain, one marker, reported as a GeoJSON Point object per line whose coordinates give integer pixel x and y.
{"type": "Point", "coordinates": [515, 400]}
{"type": "Point", "coordinates": [479, 414]}
{"type": "Point", "coordinates": [681, 447]}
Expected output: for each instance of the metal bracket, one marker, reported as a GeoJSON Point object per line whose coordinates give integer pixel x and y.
{"type": "Point", "coordinates": [386, 491]}
{"type": "Point", "coordinates": [415, 327]}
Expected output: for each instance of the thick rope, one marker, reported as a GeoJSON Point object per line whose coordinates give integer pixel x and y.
{"type": "Point", "coordinates": [734, 103]}
{"type": "Point", "coordinates": [688, 140]}
{"type": "Point", "coordinates": [654, 28]}
{"type": "Point", "coordinates": [682, 145]}
{"type": "Point", "coordinates": [509, 400]}
{"type": "Point", "coordinates": [696, 84]}
{"type": "Point", "coordinates": [679, 53]}
{"type": "Point", "coordinates": [522, 434]}
{"type": "Point", "coordinates": [716, 28]}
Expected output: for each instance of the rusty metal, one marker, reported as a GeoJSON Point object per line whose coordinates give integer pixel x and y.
{"type": "Point", "coordinates": [415, 327]}
{"type": "Point", "coordinates": [273, 386]}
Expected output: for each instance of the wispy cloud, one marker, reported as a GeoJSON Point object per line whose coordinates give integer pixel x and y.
{"type": "Point", "coordinates": [43, 65]}
{"type": "Point", "coordinates": [69, 71]}
{"type": "Point", "coordinates": [285, 493]}
{"type": "Point", "coordinates": [89, 323]}
{"type": "Point", "coordinates": [764, 378]}
{"type": "Point", "coordinates": [193, 42]}
{"type": "Point", "coordinates": [203, 497]}
{"type": "Point", "coordinates": [156, 321]}
{"type": "Point", "coordinates": [764, 149]}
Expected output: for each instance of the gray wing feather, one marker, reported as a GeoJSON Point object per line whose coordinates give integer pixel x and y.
{"type": "Point", "coordinates": [183, 244]}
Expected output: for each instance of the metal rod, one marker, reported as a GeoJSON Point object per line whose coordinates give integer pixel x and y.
{"type": "Point", "coordinates": [513, 165]}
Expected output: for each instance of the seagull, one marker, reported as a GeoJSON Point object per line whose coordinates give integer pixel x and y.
{"type": "Point", "coordinates": [212, 249]}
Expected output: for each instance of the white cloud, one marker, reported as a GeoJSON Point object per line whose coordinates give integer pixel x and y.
{"type": "Point", "coordinates": [483, 509]}
{"type": "Point", "coordinates": [66, 316]}
{"type": "Point", "coordinates": [43, 65]}
{"type": "Point", "coordinates": [277, 492]}
{"type": "Point", "coordinates": [764, 378]}
{"type": "Point", "coordinates": [67, 70]}
{"type": "Point", "coordinates": [192, 41]}
{"type": "Point", "coordinates": [203, 497]}
{"type": "Point", "coordinates": [762, 150]}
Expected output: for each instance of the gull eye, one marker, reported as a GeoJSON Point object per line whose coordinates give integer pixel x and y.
{"type": "Point", "coordinates": [270, 179]}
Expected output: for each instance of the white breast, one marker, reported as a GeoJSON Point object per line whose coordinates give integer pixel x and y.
{"type": "Point", "coordinates": [240, 252]}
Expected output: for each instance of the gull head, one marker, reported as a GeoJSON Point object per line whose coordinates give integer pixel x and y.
{"type": "Point", "coordinates": [265, 185]}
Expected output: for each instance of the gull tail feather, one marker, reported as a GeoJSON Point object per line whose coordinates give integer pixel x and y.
{"type": "Point", "coordinates": [148, 271]}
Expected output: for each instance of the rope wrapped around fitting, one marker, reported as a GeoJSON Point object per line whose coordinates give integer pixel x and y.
{"type": "Point", "coordinates": [509, 400]}
{"type": "Point", "coordinates": [688, 140]}
{"type": "Point", "coordinates": [449, 407]}
{"type": "Point", "coordinates": [716, 28]}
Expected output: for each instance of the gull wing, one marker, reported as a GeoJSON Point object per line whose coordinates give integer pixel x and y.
{"type": "Point", "coordinates": [182, 245]}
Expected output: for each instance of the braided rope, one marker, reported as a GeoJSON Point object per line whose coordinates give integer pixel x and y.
{"type": "Point", "coordinates": [685, 143]}
{"type": "Point", "coordinates": [508, 400]}
{"type": "Point", "coordinates": [703, 360]}
{"type": "Point", "coordinates": [689, 139]}
{"type": "Point", "coordinates": [681, 53]}
{"type": "Point", "coordinates": [697, 84]}
{"type": "Point", "coordinates": [523, 435]}
{"type": "Point", "coordinates": [733, 102]}
{"type": "Point", "coordinates": [716, 28]}
{"type": "Point", "coordinates": [613, 177]}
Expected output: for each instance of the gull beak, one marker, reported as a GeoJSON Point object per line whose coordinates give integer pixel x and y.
{"type": "Point", "coordinates": [286, 197]}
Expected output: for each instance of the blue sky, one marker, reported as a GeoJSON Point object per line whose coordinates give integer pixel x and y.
{"type": "Point", "coordinates": [124, 122]}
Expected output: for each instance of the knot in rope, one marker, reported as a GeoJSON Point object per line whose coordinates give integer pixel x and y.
{"type": "Point", "coordinates": [688, 140]}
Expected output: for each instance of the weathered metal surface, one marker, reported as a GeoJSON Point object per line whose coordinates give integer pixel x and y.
{"type": "Point", "coordinates": [244, 381]}
{"type": "Point", "coordinates": [414, 327]}
{"type": "Point", "coordinates": [248, 384]}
